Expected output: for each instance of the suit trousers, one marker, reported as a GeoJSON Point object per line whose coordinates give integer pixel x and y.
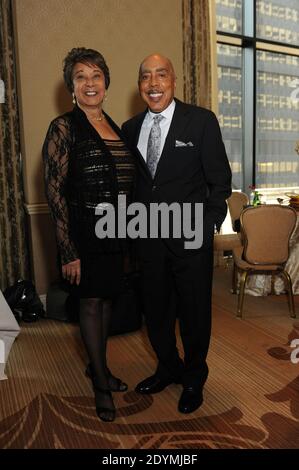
{"type": "Point", "coordinates": [180, 287]}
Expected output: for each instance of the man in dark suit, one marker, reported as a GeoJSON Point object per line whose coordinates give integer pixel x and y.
{"type": "Point", "coordinates": [189, 166]}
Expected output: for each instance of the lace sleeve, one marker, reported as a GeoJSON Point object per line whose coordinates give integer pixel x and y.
{"type": "Point", "coordinates": [56, 156]}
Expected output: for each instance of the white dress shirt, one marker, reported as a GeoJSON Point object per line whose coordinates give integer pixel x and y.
{"type": "Point", "coordinates": [147, 125]}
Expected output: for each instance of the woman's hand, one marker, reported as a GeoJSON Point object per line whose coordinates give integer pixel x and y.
{"type": "Point", "coordinates": [72, 271]}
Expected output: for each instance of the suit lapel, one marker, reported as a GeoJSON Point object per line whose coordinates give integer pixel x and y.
{"type": "Point", "coordinates": [140, 158]}
{"type": "Point", "coordinates": [178, 124]}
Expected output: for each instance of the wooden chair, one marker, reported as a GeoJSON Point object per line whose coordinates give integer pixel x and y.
{"type": "Point", "coordinates": [230, 241]}
{"type": "Point", "coordinates": [236, 203]}
{"type": "Point", "coordinates": [266, 232]}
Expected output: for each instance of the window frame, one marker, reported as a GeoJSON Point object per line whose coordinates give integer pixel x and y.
{"type": "Point", "coordinates": [250, 45]}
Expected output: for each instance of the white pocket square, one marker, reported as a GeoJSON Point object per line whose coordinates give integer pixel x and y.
{"type": "Point", "coordinates": [178, 143]}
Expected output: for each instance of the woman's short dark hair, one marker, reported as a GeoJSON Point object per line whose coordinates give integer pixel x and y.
{"type": "Point", "coordinates": [85, 56]}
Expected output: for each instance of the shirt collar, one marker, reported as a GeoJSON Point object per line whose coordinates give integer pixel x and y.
{"type": "Point", "coordinates": [166, 113]}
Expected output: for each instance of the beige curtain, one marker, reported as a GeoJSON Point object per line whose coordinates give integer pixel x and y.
{"type": "Point", "coordinates": [200, 61]}
{"type": "Point", "coordinates": [13, 250]}
{"type": "Point", "coordinates": [199, 53]}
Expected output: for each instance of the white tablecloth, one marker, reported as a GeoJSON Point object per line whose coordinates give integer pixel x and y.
{"type": "Point", "coordinates": [9, 330]}
{"type": "Point", "coordinates": [260, 284]}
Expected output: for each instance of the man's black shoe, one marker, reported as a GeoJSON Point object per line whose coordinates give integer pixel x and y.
{"type": "Point", "coordinates": [152, 384]}
{"type": "Point", "coordinates": [190, 400]}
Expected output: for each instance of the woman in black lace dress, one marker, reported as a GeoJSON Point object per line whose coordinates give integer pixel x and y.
{"type": "Point", "coordinates": [86, 163]}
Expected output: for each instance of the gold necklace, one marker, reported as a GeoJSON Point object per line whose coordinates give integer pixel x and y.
{"type": "Point", "coordinates": [99, 118]}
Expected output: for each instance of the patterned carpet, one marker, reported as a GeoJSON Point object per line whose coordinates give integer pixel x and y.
{"type": "Point", "coordinates": [251, 397]}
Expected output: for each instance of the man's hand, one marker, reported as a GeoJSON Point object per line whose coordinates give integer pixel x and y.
{"type": "Point", "coordinates": [72, 271]}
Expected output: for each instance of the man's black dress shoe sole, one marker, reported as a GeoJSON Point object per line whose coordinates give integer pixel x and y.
{"type": "Point", "coordinates": [152, 385]}
{"type": "Point", "coordinates": [191, 399]}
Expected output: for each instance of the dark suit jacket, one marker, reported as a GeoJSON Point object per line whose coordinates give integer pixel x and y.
{"type": "Point", "coordinates": [198, 172]}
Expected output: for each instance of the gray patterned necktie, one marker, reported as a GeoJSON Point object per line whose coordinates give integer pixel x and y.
{"type": "Point", "coordinates": [153, 145]}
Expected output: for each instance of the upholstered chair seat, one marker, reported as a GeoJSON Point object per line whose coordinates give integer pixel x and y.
{"type": "Point", "coordinates": [266, 232]}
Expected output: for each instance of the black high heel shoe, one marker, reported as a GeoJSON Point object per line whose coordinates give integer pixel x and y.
{"type": "Point", "coordinates": [104, 413]}
{"type": "Point", "coordinates": [120, 386]}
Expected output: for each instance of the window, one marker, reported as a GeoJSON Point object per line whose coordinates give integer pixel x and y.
{"type": "Point", "coordinates": [277, 124]}
{"type": "Point", "coordinates": [230, 105]}
{"type": "Point", "coordinates": [258, 77]}
{"type": "Point", "coordinates": [278, 21]}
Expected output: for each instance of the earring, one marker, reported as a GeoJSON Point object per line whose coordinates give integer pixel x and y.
{"type": "Point", "coordinates": [74, 98]}
{"type": "Point", "coordinates": [105, 96]}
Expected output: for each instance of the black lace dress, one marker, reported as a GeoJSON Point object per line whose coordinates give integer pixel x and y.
{"type": "Point", "coordinates": [81, 171]}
